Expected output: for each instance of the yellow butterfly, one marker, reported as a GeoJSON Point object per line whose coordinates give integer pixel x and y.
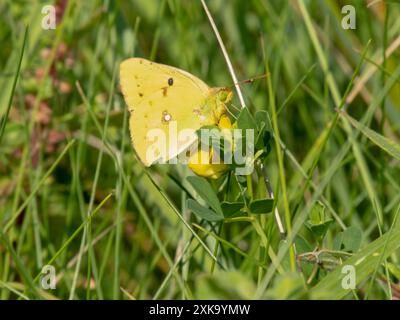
{"type": "Point", "coordinates": [161, 98]}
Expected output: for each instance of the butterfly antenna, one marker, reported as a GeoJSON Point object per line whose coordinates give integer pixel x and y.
{"type": "Point", "coordinates": [251, 80]}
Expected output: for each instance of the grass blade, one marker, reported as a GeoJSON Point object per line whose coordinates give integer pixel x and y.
{"type": "Point", "coordinates": [14, 85]}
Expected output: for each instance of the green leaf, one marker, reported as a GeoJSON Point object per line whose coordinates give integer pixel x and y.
{"type": "Point", "coordinates": [231, 208]}
{"type": "Point", "coordinates": [384, 143]}
{"type": "Point", "coordinates": [319, 230]}
{"type": "Point", "coordinates": [317, 223]}
{"type": "Point", "coordinates": [203, 212]}
{"type": "Point", "coordinates": [352, 239]}
{"type": "Point", "coordinates": [242, 145]}
{"type": "Point", "coordinates": [245, 120]}
{"type": "Point", "coordinates": [262, 120]}
{"type": "Point", "coordinates": [263, 138]}
{"type": "Point", "coordinates": [348, 240]}
{"type": "Point", "coordinates": [337, 242]}
{"type": "Point", "coordinates": [317, 215]}
{"type": "Point", "coordinates": [205, 191]}
{"type": "Point", "coordinates": [394, 270]}
{"type": "Point", "coordinates": [261, 206]}
{"type": "Point", "coordinates": [365, 262]}
{"type": "Point", "coordinates": [263, 141]}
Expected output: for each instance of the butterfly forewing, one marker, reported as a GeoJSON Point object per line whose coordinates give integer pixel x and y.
{"type": "Point", "coordinates": [166, 106]}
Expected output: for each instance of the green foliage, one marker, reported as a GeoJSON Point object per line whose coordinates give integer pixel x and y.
{"type": "Point", "coordinates": [224, 285]}
{"type": "Point", "coordinates": [261, 205]}
{"type": "Point", "coordinates": [205, 191]}
{"type": "Point", "coordinates": [203, 212]}
{"type": "Point", "coordinates": [318, 223]}
{"type": "Point", "coordinates": [231, 209]}
{"type": "Point", "coordinates": [74, 195]}
{"type": "Point", "coordinates": [348, 240]}
{"type": "Point", "coordinates": [289, 286]}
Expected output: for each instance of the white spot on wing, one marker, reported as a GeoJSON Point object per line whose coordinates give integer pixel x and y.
{"type": "Point", "coordinates": [166, 117]}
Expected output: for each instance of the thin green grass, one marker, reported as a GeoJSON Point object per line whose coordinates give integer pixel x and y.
{"type": "Point", "coordinates": [114, 229]}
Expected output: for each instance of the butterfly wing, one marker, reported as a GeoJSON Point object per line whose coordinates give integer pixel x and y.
{"type": "Point", "coordinates": [163, 101]}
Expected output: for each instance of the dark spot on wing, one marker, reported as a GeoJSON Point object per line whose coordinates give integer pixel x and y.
{"type": "Point", "coordinates": [170, 81]}
{"type": "Point", "coordinates": [140, 94]}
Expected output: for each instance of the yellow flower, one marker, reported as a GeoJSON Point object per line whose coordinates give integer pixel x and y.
{"type": "Point", "coordinates": [224, 122]}
{"type": "Point", "coordinates": [201, 161]}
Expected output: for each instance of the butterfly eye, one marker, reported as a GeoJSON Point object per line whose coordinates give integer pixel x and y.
{"type": "Point", "coordinates": [170, 81]}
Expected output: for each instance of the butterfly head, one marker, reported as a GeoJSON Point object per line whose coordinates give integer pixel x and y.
{"type": "Point", "coordinates": [224, 95]}
{"type": "Point", "coordinates": [217, 101]}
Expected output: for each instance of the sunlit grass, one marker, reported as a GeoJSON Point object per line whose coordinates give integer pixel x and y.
{"type": "Point", "coordinates": [74, 195]}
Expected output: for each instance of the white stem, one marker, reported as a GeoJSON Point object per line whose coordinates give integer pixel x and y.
{"type": "Point", "coordinates": [242, 103]}
{"type": "Point", "coordinates": [228, 61]}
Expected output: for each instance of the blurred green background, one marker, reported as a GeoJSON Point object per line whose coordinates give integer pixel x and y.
{"type": "Point", "coordinates": [65, 147]}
